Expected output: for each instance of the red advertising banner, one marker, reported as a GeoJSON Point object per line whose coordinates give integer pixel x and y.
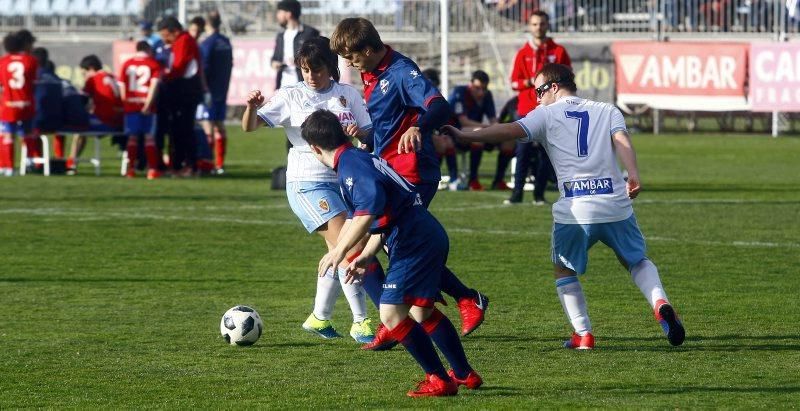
{"type": "Point", "coordinates": [682, 76]}
{"type": "Point", "coordinates": [775, 77]}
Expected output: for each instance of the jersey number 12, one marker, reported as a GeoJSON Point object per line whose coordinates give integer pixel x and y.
{"type": "Point", "coordinates": [583, 131]}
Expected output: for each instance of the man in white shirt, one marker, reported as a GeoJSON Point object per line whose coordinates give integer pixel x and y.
{"type": "Point", "coordinates": [583, 138]}
{"type": "Point", "coordinates": [289, 41]}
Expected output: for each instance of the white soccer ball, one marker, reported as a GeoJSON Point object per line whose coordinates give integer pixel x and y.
{"type": "Point", "coordinates": [241, 325]}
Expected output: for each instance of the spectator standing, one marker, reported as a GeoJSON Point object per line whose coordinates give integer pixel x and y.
{"type": "Point", "coordinates": [289, 41]}
{"type": "Point", "coordinates": [537, 51]}
{"type": "Point", "coordinates": [217, 54]}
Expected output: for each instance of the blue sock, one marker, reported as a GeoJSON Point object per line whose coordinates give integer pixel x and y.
{"type": "Point", "coordinates": [373, 281]}
{"type": "Point", "coordinates": [420, 346]}
{"type": "Point", "coordinates": [452, 166]}
{"type": "Point", "coordinates": [442, 332]}
{"type": "Point", "coordinates": [452, 286]}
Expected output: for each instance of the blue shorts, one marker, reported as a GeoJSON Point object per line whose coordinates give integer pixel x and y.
{"type": "Point", "coordinates": [138, 124]}
{"type": "Point", "coordinates": [315, 203]}
{"type": "Point", "coordinates": [16, 128]}
{"type": "Point", "coordinates": [571, 243]}
{"type": "Point", "coordinates": [417, 257]}
{"type": "Point", "coordinates": [98, 126]}
{"type": "Point", "coordinates": [215, 112]}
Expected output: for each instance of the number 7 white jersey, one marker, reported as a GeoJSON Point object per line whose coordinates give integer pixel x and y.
{"type": "Point", "coordinates": [577, 136]}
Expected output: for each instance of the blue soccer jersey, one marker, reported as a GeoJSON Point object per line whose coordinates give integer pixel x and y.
{"type": "Point", "coordinates": [463, 103]}
{"type": "Point", "coordinates": [397, 95]}
{"type": "Point", "coordinates": [217, 55]}
{"type": "Point", "coordinates": [48, 95]}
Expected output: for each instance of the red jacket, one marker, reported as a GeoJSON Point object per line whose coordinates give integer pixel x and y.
{"type": "Point", "coordinates": [185, 59]}
{"type": "Point", "coordinates": [527, 63]}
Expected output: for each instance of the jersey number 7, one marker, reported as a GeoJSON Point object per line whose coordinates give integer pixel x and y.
{"type": "Point", "coordinates": [583, 131]}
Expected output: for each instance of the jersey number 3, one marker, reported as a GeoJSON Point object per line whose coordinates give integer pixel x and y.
{"type": "Point", "coordinates": [583, 131]}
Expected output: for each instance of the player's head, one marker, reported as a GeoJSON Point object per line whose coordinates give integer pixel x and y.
{"type": "Point", "coordinates": [146, 28]}
{"type": "Point", "coordinates": [12, 43]}
{"type": "Point", "coordinates": [214, 21]}
{"type": "Point", "coordinates": [169, 28]}
{"type": "Point", "coordinates": [554, 81]}
{"type": "Point", "coordinates": [538, 24]}
{"type": "Point", "coordinates": [317, 63]}
{"type": "Point", "coordinates": [323, 132]}
{"type": "Point", "coordinates": [41, 55]}
{"type": "Point", "coordinates": [197, 25]}
{"type": "Point", "coordinates": [91, 64]}
{"type": "Point", "coordinates": [478, 84]}
{"type": "Point", "coordinates": [144, 46]}
{"type": "Point", "coordinates": [27, 40]}
{"type": "Point", "coordinates": [357, 40]}
{"type": "Point", "coordinates": [288, 10]}
{"type": "Point", "coordinates": [433, 76]}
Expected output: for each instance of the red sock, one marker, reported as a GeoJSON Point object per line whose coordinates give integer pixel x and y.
{"type": "Point", "coordinates": [33, 147]}
{"type": "Point", "coordinates": [4, 153]}
{"type": "Point", "coordinates": [220, 148]}
{"type": "Point", "coordinates": [153, 156]}
{"type": "Point", "coordinates": [58, 146]}
{"type": "Point", "coordinates": [133, 150]}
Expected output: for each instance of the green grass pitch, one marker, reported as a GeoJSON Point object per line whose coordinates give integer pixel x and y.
{"type": "Point", "coordinates": [111, 291]}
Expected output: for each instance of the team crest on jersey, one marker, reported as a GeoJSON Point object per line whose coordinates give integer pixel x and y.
{"type": "Point", "coordinates": [323, 205]}
{"type": "Point", "coordinates": [384, 86]}
{"type": "Point", "coordinates": [343, 101]}
{"type": "Point", "coordinates": [414, 73]}
{"type": "Point", "coordinates": [551, 58]}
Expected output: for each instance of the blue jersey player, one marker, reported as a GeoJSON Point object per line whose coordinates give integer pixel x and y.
{"type": "Point", "coordinates": [384, 205]}
{"type": "Point", "coordinates": [217, 55]}
{"type": "Point", "coordinates": [583, 139]}
{"type": "Point", "coordinates": [405, 109]}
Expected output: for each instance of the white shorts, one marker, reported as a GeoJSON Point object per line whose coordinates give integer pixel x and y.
{"type": "Point", "coordinates": [315, 203]}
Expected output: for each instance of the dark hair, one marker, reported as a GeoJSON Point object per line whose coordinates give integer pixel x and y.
{"type": "Point", "coordinates": [26, 38]}
{"type": "Point", "coordinates": [481, 76]}
{"type": "Point", "coordinates": [559, 74]}
{"type": "Point", "coordinates": [41, 55]}
{"type": "Point", "coordinates": [541, 14]}
{"type": "Point", "coordinates": [170, 23]}
{"type": "Point", "coordinates": [143, 46]}
{"type": "Point", "coordinates": [355, 34]}
{"type": "Point", "coordinates": [50, 66]}
{"type": "Point", "coordinates": [11, 43]}
{"type": "Point", "coordinates": [322, 128]}
{"type": "Point", "coordinates": [198, 21]}
{"type": "Point", "coordinates": [433, 76]}
{"type": "Point", "coordinates": [292, 6]}
{"type": "Point", "coordinates": [214, 19]}
{"type": "Point", "coordinates": [91, 62]}
{"type": "Point", "coordinates": [316, 53]}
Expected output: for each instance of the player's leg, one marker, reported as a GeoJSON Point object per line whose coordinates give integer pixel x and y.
{"type": "Point", "coordinates": [132, 148]}
{"type": "Point", "coordinates": [504, 156]}
{"type": "Point", "coordinates": [6, 150]}
{"type": "Point", "coordinates": [542, 175]}
{"type": "Point", "coordinates": [475, 156]}
{"type": "Point", "coordinates": [78, 143]}
{"type": "Point", "coordinates": [151, 151]}
{"type": "Point", "coordinates": [220, 145]}
{"type": "Point", "coordinates": [523, 156]}
{"type": "Point", "coordinates": [570, 246]}
{"type": "Point", "coordinates": [58, 146]}
{"type": "Point", "coordinates": [625, 238]}
{"type": "Point", "coordinates": [452, 164]}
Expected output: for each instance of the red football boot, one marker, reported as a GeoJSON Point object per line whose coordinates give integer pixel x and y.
{"type": "Point", "coordinates": [577, 342]}
{"type": "Point", "coordinates": [472, 381]}
{"type": "Point", "coordinates": [500, 186]}
{"type": "Point", "coordinates": [475, 185]}
{"type": "Point", "coordinates": [383, 340]}
{"type": "Point", "coordinates": [472, 312]}
{"type": "Point", "coordinates": [434, 386]}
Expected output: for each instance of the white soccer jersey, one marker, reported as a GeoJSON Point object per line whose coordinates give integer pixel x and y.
{"type": "Point", "coordinates": [290, 107]}
{"type": "Point", "coordinates": [577, 136]}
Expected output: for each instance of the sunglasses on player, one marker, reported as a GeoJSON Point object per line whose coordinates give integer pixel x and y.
{"type": "Point", "coordinates": [544, 87]}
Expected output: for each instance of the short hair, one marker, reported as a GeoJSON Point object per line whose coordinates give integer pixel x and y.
{"type": "Point", "coordinates": [26, 38]}
{"type": "Point", "coordinates": [42, 56]}
{"type": "Point", "coordinates": [541, 14]}
{"type": "Point", "coordinates": [322, 128]}
{"type": "Point", "coordinates": [91, 62]}
{"type": "Point", "coordinates": [355, 34]}
{"type": "Point", "coordinates": [481, 76]}
{"type": "Point", "coordinates": [170, 23]}
{"type": "Point", "coordinates": [11, 43]}
{"type": "Point", "coordinates": [50, 66]}
{"type": "Point", "coordinates": [143, 45]}
{"type": "Point", "coordinates": [433, 76]}
{"type": "Point", "coordinates": [198, 21]}
{"type": "Point", "coordinates": [292, 6]}
{"type": "Point", "coordinates": [214, 19]}
{"type": "Point", "coordinates": [316, 53]}
{"type": "Point", "coordinates": [559, 74]}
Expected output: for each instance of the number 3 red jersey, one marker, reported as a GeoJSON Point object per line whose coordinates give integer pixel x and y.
{"type": "Point", "coordinates": [138, 74]}
{"type": "Point", "coordinates": [17, 74]}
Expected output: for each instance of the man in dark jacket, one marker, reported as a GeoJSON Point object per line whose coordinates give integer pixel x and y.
{"type": "Point", "coordinates": [289, 40]}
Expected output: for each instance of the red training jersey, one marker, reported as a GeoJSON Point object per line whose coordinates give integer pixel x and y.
{"type": "Point", "coordinates": [527, 63]}
{"type": "Point", "coordinates": [137, 75]}
{"type": "Point", "coordinates": [17, 75]}
{"type": "Point", "coordinates": [184, 62]}
{"type": "Point", "coordinates": [104, 91]}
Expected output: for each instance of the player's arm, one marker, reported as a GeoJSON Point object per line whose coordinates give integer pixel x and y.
{"type": "Point", "coordinates": [519, 76]}
{"type": "Point", "coordinates": [152, 93]}
{"type": "Point", "coordinates": [624, 149]}
{"type": "Point", "coordinates": [494, 134]}
{"type": "Point", "coordinates": [250, 120]}
{"type": "Point", "coordinates": [356, 230]}
{"type": "Point", "coordinates": [435, 116]}
{"type": "Point", "coordinates": [467, 123]}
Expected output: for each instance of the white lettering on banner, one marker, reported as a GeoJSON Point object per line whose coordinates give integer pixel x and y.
{"type": "Point", "coordinates": [689, 72]}
{"type": "Point", "coordinates": [787, 67]}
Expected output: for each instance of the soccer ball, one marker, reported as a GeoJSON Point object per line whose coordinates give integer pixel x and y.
{"type": "Point", "coordinates": [241, 325]}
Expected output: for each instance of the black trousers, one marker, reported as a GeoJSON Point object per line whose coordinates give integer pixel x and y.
{"type": "Point", "coordinates": [184, 96]}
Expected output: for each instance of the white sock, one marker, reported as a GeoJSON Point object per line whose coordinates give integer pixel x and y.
{"type": "Point", "coordinates": [574, 303]}
{"type": "Point", "coordinates": [356, 297]}
{"type": "Point", "coordinates": [327, 292]}
{"type": "Point", "coordinates": [645, 275]}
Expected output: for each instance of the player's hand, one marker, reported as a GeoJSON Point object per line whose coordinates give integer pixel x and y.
{"type": "Point", "coordinates": [633, 185]}
{"type": "Point", "coordinates": [452, 132]}
{"type": "Point", "coordinates": [207, 99]}
{"type": "Point", "coordinates": [146, 110]}
{"type": "Point", "coordinates": [330, 260]}
{"type": "Point", "coordinates": [356, 269]}
{"type": "Point", "coordinates": [255, 98]}
{"type": "Point", "coordinates": [410, 141]}
{"type": "Point", "coordinates": [351, 129]}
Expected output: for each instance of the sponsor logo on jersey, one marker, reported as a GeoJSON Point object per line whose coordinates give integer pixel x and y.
{"type": "Point", "coordinates": [588, 187]}
{"type": "Point", "coordinates": [343, 101]}
{"type": "Point", "coordinates": [346, 117]}
{"type": "Point", "coordinates": [384, 86]}
{"type": "Point", "coordinates": [323, 205]}
{"type": "Point", "coordinates": [551, 58]}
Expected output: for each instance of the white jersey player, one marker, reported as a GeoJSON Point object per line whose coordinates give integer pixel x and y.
{"type": "Point", "coordinates": [583, 139]}
{"type": "Point", "coordinates": [311, 187]}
